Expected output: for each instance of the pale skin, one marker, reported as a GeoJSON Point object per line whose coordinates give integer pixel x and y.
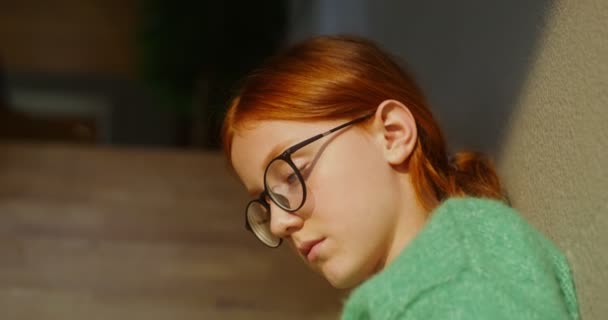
{"type": "Point", "coordinates": [361, 200]}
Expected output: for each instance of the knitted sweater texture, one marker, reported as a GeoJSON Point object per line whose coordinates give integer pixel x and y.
{"type": "Point", "coordinates": [474, 259]}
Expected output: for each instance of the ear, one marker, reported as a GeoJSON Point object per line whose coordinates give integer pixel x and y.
{"type": "Point", "coordinates": [396, 128]}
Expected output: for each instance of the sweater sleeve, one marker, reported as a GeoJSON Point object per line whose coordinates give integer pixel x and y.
{"type": "Point", "coordinates": [460, 300]}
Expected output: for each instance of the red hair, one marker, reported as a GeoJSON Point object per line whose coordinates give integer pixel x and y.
{"type": "Point", "coordinates": [339, 77]}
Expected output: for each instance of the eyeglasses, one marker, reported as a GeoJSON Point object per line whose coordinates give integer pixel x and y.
{"type": "Point", "coordinates": [285, 186]}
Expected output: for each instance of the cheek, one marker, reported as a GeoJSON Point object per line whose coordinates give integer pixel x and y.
{"type": "Point", "coordinates": [354, 199]}
{"type": "Point", "coordinates": [354, 181]}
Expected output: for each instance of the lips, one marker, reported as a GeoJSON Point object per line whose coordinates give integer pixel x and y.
{"type": "Point", "coordinates": [308, 248]}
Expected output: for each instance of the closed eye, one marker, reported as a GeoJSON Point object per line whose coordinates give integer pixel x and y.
{"type": "Point", "coordinates": [305, 171]}
{"type": "Point", "coordinates": [292, 178]}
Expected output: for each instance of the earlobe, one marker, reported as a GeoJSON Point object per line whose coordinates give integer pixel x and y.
{"type": "Point", "coordinates": [397, 131]}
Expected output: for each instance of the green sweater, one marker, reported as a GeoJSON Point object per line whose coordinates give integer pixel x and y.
{"type": "Point", "coordinates": [474, 259]}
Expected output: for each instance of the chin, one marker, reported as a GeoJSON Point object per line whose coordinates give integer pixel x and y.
{"type": "Point", "coordinates": [343, 285]}
{"type": "Point", "coordinates": [342, 277]}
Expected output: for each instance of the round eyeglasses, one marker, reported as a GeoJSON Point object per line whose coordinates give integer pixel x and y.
{"type": "Point", "coordinates": [285, 186]}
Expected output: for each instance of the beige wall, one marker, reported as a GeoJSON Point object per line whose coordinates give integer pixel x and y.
{"type": "Point", "coordinates": [553, 159]}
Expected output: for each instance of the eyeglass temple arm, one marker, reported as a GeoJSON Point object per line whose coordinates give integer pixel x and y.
{"type": "Point", "coordinates": [296, 147]}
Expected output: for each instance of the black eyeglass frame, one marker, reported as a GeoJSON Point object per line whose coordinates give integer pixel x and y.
{"type": "Point", "coordinates": [286, 156]}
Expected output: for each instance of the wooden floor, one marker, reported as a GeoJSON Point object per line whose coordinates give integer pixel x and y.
{"type": "Point", "coordinates": [114, 233]}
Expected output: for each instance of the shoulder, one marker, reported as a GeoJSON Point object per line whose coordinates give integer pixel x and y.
{"type": "Point", "coordinates": [470, 297]}
{"type": "Point", "coordinates": [473, 255]}
{"type": "Point", "coordinates": [497, 240]}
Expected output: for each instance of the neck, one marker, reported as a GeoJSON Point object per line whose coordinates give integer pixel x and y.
{"type": "Point", "coordinates": [411, 218]}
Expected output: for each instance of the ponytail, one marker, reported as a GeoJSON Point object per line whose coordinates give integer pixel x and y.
{"type": "Point", "coordinates": [464, 174]}
{"type": "Point", "coordinates": [473, 174]}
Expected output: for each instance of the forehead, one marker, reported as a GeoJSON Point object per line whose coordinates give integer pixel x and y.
{"type": "Point", "coordinates": [252, 145]}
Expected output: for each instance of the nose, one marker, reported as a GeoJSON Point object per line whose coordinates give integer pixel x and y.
{"type": "Point", "coordinates": [283, 223]}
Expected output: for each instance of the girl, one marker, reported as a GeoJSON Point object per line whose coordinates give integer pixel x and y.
{"type": "Point", "coordinates": [344, 161]}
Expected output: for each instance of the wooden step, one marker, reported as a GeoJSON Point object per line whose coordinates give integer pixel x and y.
{"type": "Point", "coordinates": [124, 233]}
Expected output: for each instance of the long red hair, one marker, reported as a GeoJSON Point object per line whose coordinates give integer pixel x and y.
{"type": "Point", "coordinates": [343, 77]}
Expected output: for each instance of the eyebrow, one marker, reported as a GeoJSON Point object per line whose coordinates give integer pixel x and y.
{"type": "Point", "coordinates": [274, 152]}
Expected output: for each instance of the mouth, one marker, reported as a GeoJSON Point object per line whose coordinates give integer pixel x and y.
{"type": "Point", "coordinates": [309, 249]}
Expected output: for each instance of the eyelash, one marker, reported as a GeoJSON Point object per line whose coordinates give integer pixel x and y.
{"type": "Point", "coordinates": [291, 178]}
{"type": "Point", "coordinates": [304, 170]}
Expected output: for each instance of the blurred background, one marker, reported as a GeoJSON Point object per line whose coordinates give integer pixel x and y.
{"type": "Point", "coordinates": [115, 201]}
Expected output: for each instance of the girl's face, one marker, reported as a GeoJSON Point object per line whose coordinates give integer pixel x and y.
{"type": "Point", "coordinates": [360, 209]}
